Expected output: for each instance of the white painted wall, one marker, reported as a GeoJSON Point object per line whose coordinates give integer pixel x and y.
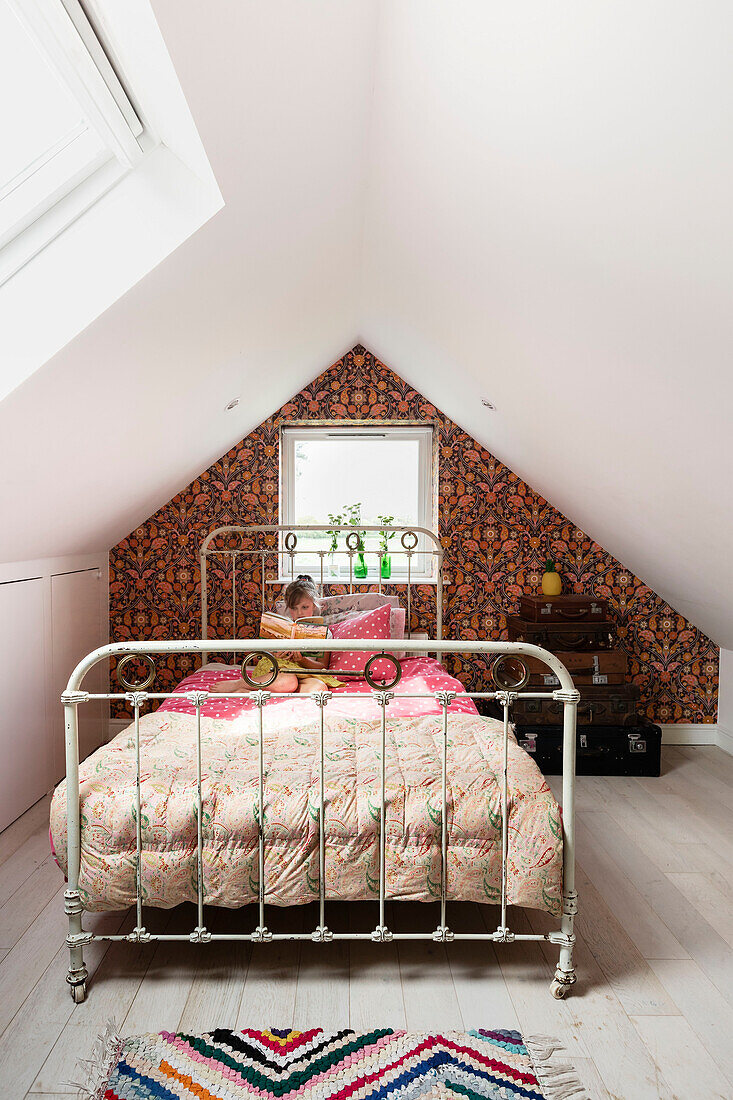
{"type": "Point", "coordinates": [550, 226]}
{"type": "Point", "coordinates": [725, 701]}
{"type": "Point", "coordinates": [253, 305]}
{"type": "Point", "coordinates": [53, 612]}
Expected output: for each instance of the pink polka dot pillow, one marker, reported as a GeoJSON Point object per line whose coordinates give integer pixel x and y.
{"type": "Point", "coordinates": [371, 624]}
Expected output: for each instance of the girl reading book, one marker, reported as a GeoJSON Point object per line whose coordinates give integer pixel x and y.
{"type": "Point", "coordinates": [301, 602]}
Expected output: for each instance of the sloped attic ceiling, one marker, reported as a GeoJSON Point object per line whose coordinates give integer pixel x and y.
{"type": "Point", "coordinates": [549, 227]}
{"type": "Point", "coordinates": [518, 202]}
{"type": "Point", "coordinates": [251, 306]}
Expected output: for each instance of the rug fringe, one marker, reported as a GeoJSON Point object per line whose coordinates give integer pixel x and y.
{"type": "Point", "coordinates": [95, 1071]}
{"type": "Point", "coordinates": [559, 1080]}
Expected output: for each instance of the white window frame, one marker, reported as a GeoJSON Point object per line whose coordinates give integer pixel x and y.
{"type": "Point", "coordinates": [423, 566]}
{"type": "Point", "coordinates": [64, 182]}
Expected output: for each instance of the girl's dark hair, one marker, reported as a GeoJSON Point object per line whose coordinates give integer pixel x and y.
{"type": "Point", "coordinates": [303, 585]}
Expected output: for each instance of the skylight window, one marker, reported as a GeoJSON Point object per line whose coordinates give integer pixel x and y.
{"type": "Point", "coordinates": [385, 470]}
{"type": "Point", "coordinates": [67, 123]}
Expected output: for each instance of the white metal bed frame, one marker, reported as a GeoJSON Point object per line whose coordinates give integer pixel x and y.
{"type": "Point", "coordinates": [136, 695]}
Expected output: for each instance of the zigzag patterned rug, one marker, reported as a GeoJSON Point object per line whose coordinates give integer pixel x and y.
{"type": "Point", "coordinates": [322, 1065]}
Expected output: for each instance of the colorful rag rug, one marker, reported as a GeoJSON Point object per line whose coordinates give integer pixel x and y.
{"type": "Point", "coordinates": [326, 1065]}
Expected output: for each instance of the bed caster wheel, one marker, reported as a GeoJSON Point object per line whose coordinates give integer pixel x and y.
{"type": "Point", "coordinates": [79, 993]}
{"type": "Point", "coordinates": [559, 990]}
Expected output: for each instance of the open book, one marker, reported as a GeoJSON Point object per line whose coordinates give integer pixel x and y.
{"type": "Point", "coordinates": [277, 626]}
{"type": "Point", "coordinates": [280, 626]}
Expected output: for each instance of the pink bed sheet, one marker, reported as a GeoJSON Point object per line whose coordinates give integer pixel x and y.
{"type": "Point", "coordinates": [419, 675]}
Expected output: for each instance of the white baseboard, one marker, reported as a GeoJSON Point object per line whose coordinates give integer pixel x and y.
{"type": "Point", "coordinates": [689, 733]}
{"type": "Point", "coordinates": [725, 740]}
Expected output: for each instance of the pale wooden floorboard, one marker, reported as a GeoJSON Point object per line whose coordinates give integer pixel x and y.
{"type": "Point", "coordinates": [430, 995]}
{"type": "Point", "coordinates": [47, 1009]}
{"type": "Point", "coordinates": [697, 937]}
{"type": "Point", "coordinates": [221, 969]}
{"type": "Point", "coordinates": [375, 988]}
{"type": "Point", "coordinates": [163, 992]}
{"type": "Point", "coordinates": [320, 1003]}
{"type": "Point", "coordinates": [711, 898]}
{"type": "Point", "coordinates": [34, 820]}
{"type": "Point", "coordinates": [22, 908]}
{"type": "Point", "coordinates": [23, 862]}
{"type": "Point", "coordinates": [271, 983]}
{"type": "Point", "coordinates": [626, 970]}
{"type": "Point", "coordinates": [672, 1043]}
{"type": "Point", "coordinates": [651, 1016]}
{"type": "Point", "coordinates": [700, 780]}
{"type": "Point", "coordinates": [116, 984]}
{"type": "Point", "coordinates": [652, 936]}
{"type": "Point", "coordinates": [705, 1009]}
{"type": "Point", "coordinates": [711, 758]}
{"type": "Point", "coordinates": [605, 1027]}
{"type": "Point", "coordinates": [480, 988]}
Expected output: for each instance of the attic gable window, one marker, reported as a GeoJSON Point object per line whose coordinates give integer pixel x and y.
{"type": "Point", "coordinates": [69, 130]}
{"type": "Point", "coordinates": [386, 469]}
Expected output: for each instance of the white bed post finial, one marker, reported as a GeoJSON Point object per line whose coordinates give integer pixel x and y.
{"type": "Point", "coordinates": [77, 937]}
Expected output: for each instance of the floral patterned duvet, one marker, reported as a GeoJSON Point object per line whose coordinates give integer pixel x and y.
{"type": "Point", "coordinates": [353, 749]}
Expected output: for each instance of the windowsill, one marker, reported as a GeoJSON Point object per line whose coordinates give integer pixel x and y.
{"type": "Point", "coordinates": [392, 582]}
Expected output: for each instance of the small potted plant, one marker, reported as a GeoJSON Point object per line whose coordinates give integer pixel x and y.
{"type": "Point", "coordinates": [384, 540]}
{"type": "Point", "coordinates": [352, 514]}
{"type": "Point", "coordinates": [337, 519]}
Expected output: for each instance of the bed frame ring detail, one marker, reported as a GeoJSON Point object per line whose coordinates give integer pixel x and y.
{"type": "Point", "coordinates": [383, 686]}
{"type": "Point", "coordinates": [509, 672]}
{"type": "Point", "coordinates": [250, 659]}
{"type": "Point", "coordinates": [129, 685]}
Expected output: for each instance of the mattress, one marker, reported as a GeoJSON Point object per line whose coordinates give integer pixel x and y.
{"type": "Point", "coordinates": [229, 732]}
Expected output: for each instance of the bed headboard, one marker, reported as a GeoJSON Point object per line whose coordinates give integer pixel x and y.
{"type": "Point", "coordinates": [278, 547]}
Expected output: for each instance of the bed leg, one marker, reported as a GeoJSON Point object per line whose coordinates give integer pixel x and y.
{"type": "Point", "coordinates": [565, 939]}
{"type": "Point", "coordinates": [565, 972]}
{"type": "Point", "coordinates": [76, 940]}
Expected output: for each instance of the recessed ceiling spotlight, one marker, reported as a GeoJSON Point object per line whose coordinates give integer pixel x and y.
{"type": "Point", "coordinates": [488, 404]}
{"type": "Point", "coordinates": [233, 403]}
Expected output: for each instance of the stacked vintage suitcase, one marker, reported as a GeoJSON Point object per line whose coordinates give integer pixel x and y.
{"type": "Point", "coordinates": [613, 739]}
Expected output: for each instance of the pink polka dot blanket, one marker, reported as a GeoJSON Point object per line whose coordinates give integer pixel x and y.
{"type": "Point", "coordinates": [420, 676]}
{"type": "Point", "coordinates": [230, 751]}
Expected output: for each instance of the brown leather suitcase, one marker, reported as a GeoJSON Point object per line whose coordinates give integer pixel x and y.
{"type": "Point", "coordinates": [588, 636]}
{"type": "Point", "coordinates": [609, 705]}
{"type": "Point", "coordinates": [563, 609]}
{"type": "Point", "coordinates": [604, 667]}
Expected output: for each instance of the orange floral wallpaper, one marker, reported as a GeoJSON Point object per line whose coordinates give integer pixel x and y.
{"type": "Point", "coordinates": [496, 532]}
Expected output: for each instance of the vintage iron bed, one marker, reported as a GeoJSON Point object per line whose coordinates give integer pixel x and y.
{"type": "Point", "coordinates": [509, 674]}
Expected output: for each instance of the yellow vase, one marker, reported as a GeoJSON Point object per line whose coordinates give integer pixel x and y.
{"type": "Point", "coordinates": [551, 583]}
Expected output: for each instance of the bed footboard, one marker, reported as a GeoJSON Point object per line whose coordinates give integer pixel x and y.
{"type": "Point", "coordinates": [383, 692]}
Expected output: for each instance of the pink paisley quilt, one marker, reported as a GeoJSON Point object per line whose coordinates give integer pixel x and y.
{"type": "Point", "coordinates": [291, 725]}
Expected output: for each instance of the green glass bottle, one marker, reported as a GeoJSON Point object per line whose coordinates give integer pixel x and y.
{"type": "Point", "coordinates": [386, 567]}
{"type": "Point", "coordinates": [360, 569]}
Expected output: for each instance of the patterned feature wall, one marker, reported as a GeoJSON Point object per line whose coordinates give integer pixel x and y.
{"type": "Point", "coordinates": [495, 529]}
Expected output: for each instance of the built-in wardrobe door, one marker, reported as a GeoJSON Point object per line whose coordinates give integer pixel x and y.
{"type": "Point", "coordinates": [26, 756]}
{"type": "Point", "coordinates": [76, 630]}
